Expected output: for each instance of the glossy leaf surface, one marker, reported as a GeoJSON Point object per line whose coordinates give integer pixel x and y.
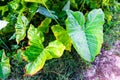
{"type": "Point", "coordinates": [4, 65]}
{"type": "Point", "coordinates": [87, 37]}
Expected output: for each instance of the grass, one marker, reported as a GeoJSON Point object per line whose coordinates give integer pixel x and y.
{"type": "Point", "coordinates": [69, 67]}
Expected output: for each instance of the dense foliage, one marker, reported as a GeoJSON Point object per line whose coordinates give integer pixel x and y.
{"type": "Point", "coordinates": [39, 30]}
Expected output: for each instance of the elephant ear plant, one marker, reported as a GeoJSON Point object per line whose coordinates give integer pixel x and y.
{"type": "Point", "coordinates": [86, 34]}
{"type": "Point", "coordinates": [86, 37]}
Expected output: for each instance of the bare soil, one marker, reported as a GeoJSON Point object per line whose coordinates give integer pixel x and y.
{"type": "Point", "coordinates": [106, 65]}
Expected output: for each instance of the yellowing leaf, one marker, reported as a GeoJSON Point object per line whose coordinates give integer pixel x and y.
{"type": "Point", "coordinates": [53, 50]}
{"type": "Point", "coordinates": [33, 67]}
{"type": "Point", "coordinates": [44, 26]}
{"type": "Point", "coordinates": [20, 28]}
{"type": "Point", "coordinates": [36, 55]}
{"type": "Point", "coordinates": [35, 37]}
{"type": "Point", "coordinates": [62, 36]}
{"type": "Point", "coordinates": [37, 1]}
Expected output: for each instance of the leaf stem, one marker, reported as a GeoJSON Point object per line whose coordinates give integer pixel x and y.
{"type": "Point", "coordinates": [4, 44]}
{"type": "Point", "coordinates": [50, 12]}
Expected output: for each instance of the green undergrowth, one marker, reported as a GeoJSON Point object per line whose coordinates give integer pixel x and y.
{"type": "Point", "coordinates": [33, 33]}
{"type": "Point", "coordinates": [68, 67]}
{"type": "Point", "coordinates": [112, 34]}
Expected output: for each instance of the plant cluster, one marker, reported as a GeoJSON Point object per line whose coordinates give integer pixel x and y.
{"type": "Point", "coordinates": [39, 30]}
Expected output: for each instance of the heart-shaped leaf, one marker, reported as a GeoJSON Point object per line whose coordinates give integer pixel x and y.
{"type": "Point", "coordinates": [36, 54]}
{"type": "Point", "coordinates": [53, 50]}
{"type": "Point", "coordinates": [87, 37]}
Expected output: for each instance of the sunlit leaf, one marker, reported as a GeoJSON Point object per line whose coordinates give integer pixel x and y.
{"type": "Point", "coordinates": [3, 24]}
{"type": "Point", "coordinates": [87, 38]}
{"type": "Point", "coordinates": [53, 50]}
{"type": "Point", "coordinates": [62, 36]}
{"type": "Point", "coordinates": [37, 1]}
{"type": "Point", "coordinates": [35, 37]}
{"type": "Point", "coordinates": [44, 26]}
{"type": "Point", "coordinates": [36, 55]}
{"type": "Point", "coordinates": [4, 65]}
{"type": "Point", "coordinates": [33, 67]}
{"type": "Point", "coordinates": [21, 27]}
{"type": "Point", "coordinates": [3, 9]}
{"type": "Point", "coordinates": [67, 6]}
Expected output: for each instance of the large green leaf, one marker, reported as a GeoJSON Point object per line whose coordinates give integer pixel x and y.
{"type": "Point", "coordinates": [21, 27]}
{"type": "Point", "coordinates": [36, 55]}
{"type": "Point", "coordinates": [31, 53]}
{"type": "Point", "coordinates": [87, 38]}
{"type": "Point", "coordinates": [4, 65]}
{"type": "Point", "coordinates": [37, 1]}
{"type": "Point", "coordinates": [35, 37]}
{"type": "Point", "coordinates": [53, 50]}
{"type": "Point", "coordinates": [62, 35]}
{"type": "Point", "coordinates": [33, 67]}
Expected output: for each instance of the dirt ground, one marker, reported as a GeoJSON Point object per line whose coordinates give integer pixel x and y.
{"type": "Point", "coordinates": [106, 66]}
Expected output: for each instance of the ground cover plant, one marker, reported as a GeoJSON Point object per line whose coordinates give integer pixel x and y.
{"type": "Point", "coordinates": [35, 32]}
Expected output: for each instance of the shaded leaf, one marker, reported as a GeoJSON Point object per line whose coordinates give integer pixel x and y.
{"type": "Point", "coordinates": [62, 35]}
{"type": "Point", "coordinates": [46, 13]}
{"type": "Point", "coordinates": [12, 37]}
{"type": "Point", "coordinates": [32, 10]}
{"type": "Point", "coordinates": [86, 38]}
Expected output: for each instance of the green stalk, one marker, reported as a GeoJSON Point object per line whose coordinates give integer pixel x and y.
{"type": "Point", "coordinates": [50, 12]}
{"type": "Point", "coordinates": [4, 44]}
